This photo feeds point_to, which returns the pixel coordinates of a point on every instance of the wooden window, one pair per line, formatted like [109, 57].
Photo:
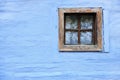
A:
[80, 29]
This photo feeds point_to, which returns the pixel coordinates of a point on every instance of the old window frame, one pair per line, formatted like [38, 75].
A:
[97, 46]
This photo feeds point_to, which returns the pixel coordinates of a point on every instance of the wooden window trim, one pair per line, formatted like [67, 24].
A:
[97, 46]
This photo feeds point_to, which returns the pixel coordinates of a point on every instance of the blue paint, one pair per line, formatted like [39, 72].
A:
[106, 35]
[29, 42]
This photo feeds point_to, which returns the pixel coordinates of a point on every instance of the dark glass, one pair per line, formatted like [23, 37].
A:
[71, 22]
[86, 21]
[71, 38]
[86, 38]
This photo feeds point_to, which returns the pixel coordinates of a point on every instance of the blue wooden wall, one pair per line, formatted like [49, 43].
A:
[29, 42]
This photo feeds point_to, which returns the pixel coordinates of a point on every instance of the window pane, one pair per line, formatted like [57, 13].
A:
[86, 21]
[71, 37]
[86, 38]
[71, 22]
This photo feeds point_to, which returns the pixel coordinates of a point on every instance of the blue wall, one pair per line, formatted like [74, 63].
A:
[29, 42]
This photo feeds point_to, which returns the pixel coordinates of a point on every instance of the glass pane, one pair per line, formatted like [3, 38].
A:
[86, 38]
[71, 22]
[86, 22]
[71, 37]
